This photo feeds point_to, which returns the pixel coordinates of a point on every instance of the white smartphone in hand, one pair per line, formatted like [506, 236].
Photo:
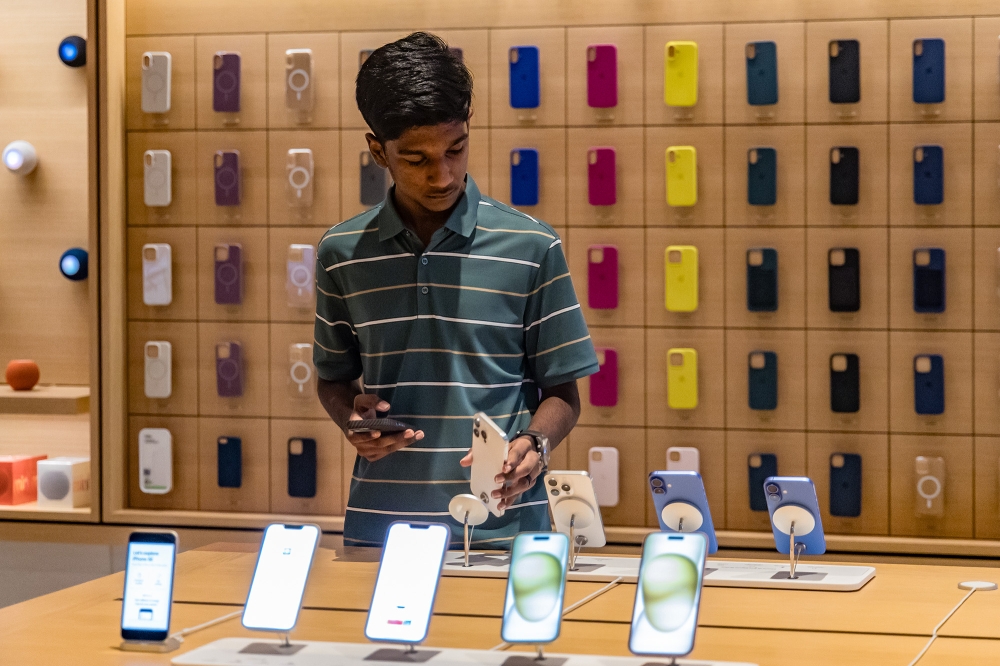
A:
[407, 582]
[279, 579]
[489, 454]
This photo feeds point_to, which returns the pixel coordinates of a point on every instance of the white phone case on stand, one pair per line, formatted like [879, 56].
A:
[157, 274]
[156, 466]
[603, 465]
[156, 187]
[155, 82]
[489, 453]
[158, 357]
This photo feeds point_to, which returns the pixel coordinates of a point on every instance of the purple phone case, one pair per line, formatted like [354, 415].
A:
[228, 179]
[601, 190]
[602, 279]
[602, 76]
[226, 83]
[229, 277]
[604, 384]
[229, 372]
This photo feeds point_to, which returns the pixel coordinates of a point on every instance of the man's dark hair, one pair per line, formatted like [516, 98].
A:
[413, 82]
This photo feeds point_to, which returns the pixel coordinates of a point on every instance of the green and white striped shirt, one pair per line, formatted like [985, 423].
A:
[480, 320]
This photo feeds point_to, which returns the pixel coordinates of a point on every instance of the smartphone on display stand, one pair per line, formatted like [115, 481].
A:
[407, 582]
[688, 489]
[800, 492]
[536, 585]
[668, 594]
[563, 485]
[149, 586]
[279, 579]
[489, 454]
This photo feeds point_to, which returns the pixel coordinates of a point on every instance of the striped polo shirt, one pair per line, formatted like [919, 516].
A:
[479, 320]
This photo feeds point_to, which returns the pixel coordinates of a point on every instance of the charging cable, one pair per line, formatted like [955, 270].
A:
[973, 587]
[179, 636]
[572, 607]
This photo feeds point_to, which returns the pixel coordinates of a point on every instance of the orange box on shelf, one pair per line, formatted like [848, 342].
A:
[19, 479]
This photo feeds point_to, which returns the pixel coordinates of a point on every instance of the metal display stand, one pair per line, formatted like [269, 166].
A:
[167, 645]
[789, 519]
[577, 514]
[233, 652]
[470, 511]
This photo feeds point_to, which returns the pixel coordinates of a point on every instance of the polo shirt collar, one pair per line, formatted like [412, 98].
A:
[462, 220]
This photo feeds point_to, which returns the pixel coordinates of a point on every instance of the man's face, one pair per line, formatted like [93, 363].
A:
[428, 164]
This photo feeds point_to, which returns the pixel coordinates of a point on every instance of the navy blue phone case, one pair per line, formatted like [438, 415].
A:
[928, 387]
[845, 386]
[844, 282]
[762, 282]
[928, 71]
[762, 177]
[845, 176]
[525, 81]
[763, 389]
[845, 73]
[524, 177]
[757, 475]
[302, 469]
[928, 175]
[929, 282]
[762, 74]
[230, 462]
[845, 486]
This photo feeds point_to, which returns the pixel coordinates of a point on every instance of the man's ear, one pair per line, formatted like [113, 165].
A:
[377, 149]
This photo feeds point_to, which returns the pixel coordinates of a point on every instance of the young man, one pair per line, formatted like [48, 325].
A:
[439, 303]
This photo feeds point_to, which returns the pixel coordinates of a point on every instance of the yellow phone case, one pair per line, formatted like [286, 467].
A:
[680, 73]
[682, 378]
[682, 176]
[681, 275]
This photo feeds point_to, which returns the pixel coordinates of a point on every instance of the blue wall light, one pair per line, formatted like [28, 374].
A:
[73, 264]
[73, 51]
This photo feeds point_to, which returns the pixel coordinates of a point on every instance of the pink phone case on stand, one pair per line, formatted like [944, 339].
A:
[602, 76]
[601, 186]
[604, 383]
[602, 277]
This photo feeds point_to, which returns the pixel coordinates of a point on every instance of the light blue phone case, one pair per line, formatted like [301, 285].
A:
[688, 487]
[796, 491]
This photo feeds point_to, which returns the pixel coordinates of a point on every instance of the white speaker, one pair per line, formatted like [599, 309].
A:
[63, 483]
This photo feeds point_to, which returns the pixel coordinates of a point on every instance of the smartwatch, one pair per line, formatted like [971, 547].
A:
[541, 444]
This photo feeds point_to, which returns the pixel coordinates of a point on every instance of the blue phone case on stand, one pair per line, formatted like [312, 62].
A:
[797, 491]
[762, 176]
[928, 71]
[524, 177]
[928, 175]
[929, 293]
[687, 487]
[763, 384]
[762, 73]
[525, 81]
[928, 387]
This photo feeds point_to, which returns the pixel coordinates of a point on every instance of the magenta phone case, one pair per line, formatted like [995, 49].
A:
[604, 383]
[601, 190]
[602, 277]
[226, 82]
[602, 76]
[229, 277]
[228, 184]
[229, 372]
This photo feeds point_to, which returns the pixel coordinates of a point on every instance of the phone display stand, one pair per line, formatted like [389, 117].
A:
[284, 648]
[470, 511]
[790, 519]
[231, 652]
[411, 655]
[577, 514]
[169, 644]
[682, 517]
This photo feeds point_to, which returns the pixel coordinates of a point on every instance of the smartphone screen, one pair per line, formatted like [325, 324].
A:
[665, 614]
[149, 586]
[279, 580]
[407, 582]
[532, 611]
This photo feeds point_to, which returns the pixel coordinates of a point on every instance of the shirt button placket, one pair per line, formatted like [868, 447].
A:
[423, 278]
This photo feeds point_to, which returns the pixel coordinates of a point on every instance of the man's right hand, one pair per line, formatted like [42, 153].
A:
[373, 446]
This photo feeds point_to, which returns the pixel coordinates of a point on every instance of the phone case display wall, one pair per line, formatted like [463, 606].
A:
[783, 235]
[48, 282]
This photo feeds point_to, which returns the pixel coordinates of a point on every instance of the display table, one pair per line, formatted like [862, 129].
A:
[886, 622]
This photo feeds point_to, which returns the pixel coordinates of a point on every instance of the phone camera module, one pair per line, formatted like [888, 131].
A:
[659, 491]
[657, 483]
[565, 487]
[773, 489]
[555, 492]
[475, 432]
[553, 482]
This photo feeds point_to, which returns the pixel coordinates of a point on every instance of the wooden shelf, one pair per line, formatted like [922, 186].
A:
[45, 400]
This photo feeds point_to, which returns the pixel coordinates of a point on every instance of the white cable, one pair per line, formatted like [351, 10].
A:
[941, 624]
[211, 623]
[572, 607]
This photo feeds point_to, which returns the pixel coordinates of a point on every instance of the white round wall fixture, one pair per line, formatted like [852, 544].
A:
[20, 157]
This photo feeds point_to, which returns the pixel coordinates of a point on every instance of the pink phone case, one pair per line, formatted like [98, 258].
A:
[601, 190]
[604, 383]
[602, 277]
[602, 76]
